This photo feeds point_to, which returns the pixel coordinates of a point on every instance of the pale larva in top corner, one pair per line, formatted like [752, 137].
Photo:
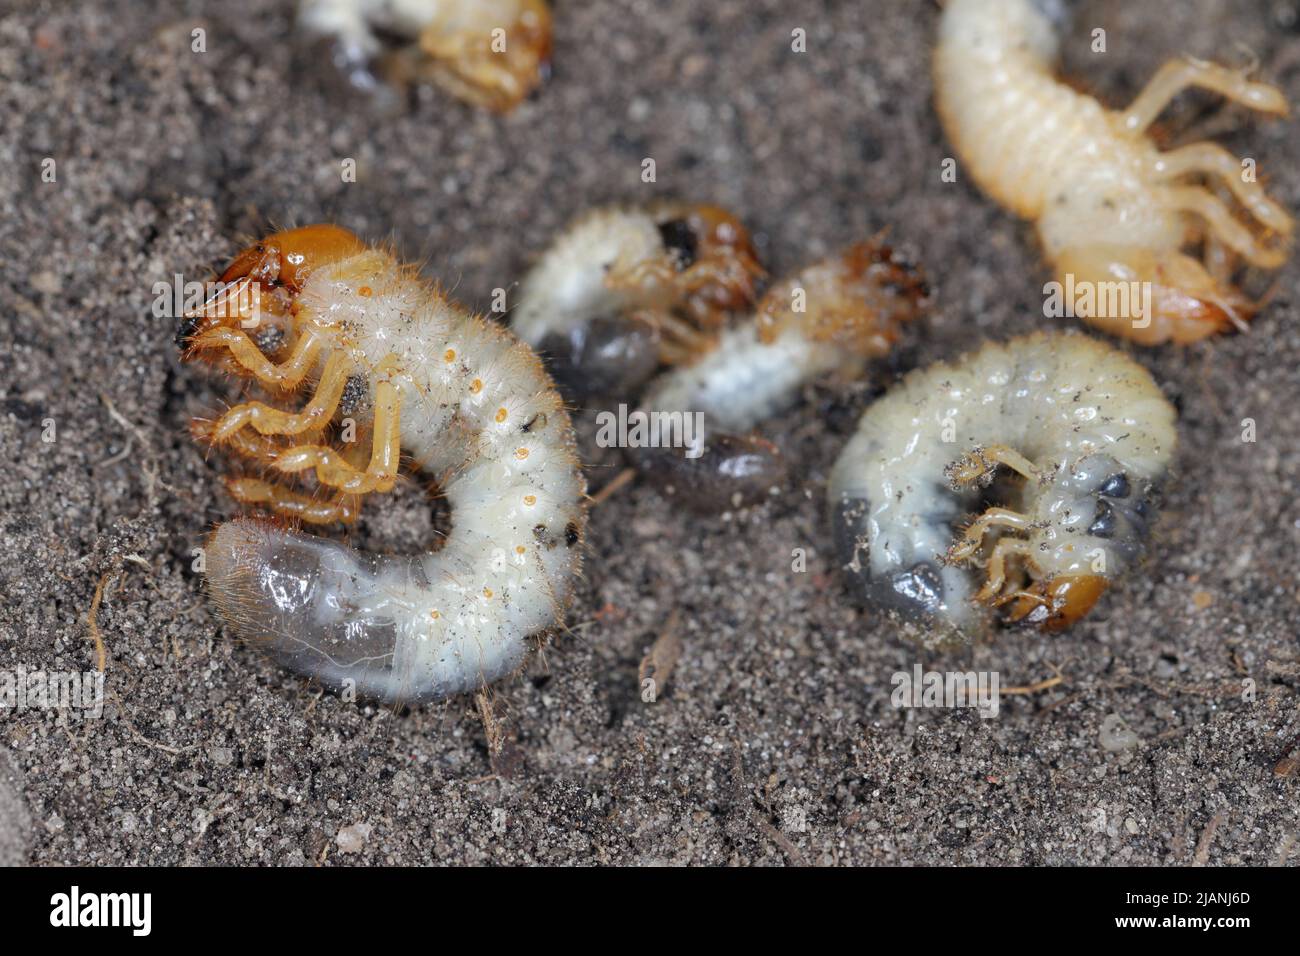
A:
[1111, 208]
[464, 400]
[625, 288]
[1084, 426]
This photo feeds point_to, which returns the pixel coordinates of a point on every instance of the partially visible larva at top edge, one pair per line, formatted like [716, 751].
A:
[1110, 207]
[459, 397]
[1086, 430]
[491, 53]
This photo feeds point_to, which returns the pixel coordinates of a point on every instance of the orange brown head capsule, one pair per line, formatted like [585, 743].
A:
[258, 286]
[1055, 604]
[857, 300]
[287, 257]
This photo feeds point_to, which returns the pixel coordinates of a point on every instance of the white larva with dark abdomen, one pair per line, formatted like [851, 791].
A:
[477, 412]
[625, 288]
[1110, 206]
[1086, 428]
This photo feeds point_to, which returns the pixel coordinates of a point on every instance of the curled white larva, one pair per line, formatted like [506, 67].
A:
[832, 317]
[453, 395]
[623, 289]
[1085, 428]
[1112, 209]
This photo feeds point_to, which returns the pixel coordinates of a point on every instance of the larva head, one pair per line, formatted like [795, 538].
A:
[1149, 296]
[856, 300]
[1089, 525]
[1054, 604]
[287, 257]
[713, 244]
[257, 289]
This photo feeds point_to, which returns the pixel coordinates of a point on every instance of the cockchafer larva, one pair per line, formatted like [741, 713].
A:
[831, 318]
[624, 289]
[464, 399]
[491, 53]
[1084, 425]
[1110, 206]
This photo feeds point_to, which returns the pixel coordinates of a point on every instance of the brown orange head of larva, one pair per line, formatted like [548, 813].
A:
[856, 300]
[717, 251]
[1054, 604]
[256, 290]
[286, 258]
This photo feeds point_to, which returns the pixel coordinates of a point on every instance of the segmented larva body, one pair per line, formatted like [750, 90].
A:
[462, 399]
[1085, 427]
[1110, 207]
[491, 53]
[624, 289]
[832, 318]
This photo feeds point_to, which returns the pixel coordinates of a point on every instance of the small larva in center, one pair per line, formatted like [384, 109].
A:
[1084, 428]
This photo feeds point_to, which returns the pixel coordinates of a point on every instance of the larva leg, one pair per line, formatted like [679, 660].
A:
[1213, 160]
[699, 277]
[246, 444]
[980, 463]
[679, 341]
[244, 350]
[293, 504]
[1200, 202]
[1219, 261]
[267, 420]
[1178, 75]
[643, 273]
[704, 282]
[334, 470]
[997, 570]
[973, 537]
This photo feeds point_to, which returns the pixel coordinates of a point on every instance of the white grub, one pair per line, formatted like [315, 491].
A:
[1088, 436]
[1110, 206]
[460, 399]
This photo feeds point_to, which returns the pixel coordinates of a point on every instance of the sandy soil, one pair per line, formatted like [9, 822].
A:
[775, 740]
